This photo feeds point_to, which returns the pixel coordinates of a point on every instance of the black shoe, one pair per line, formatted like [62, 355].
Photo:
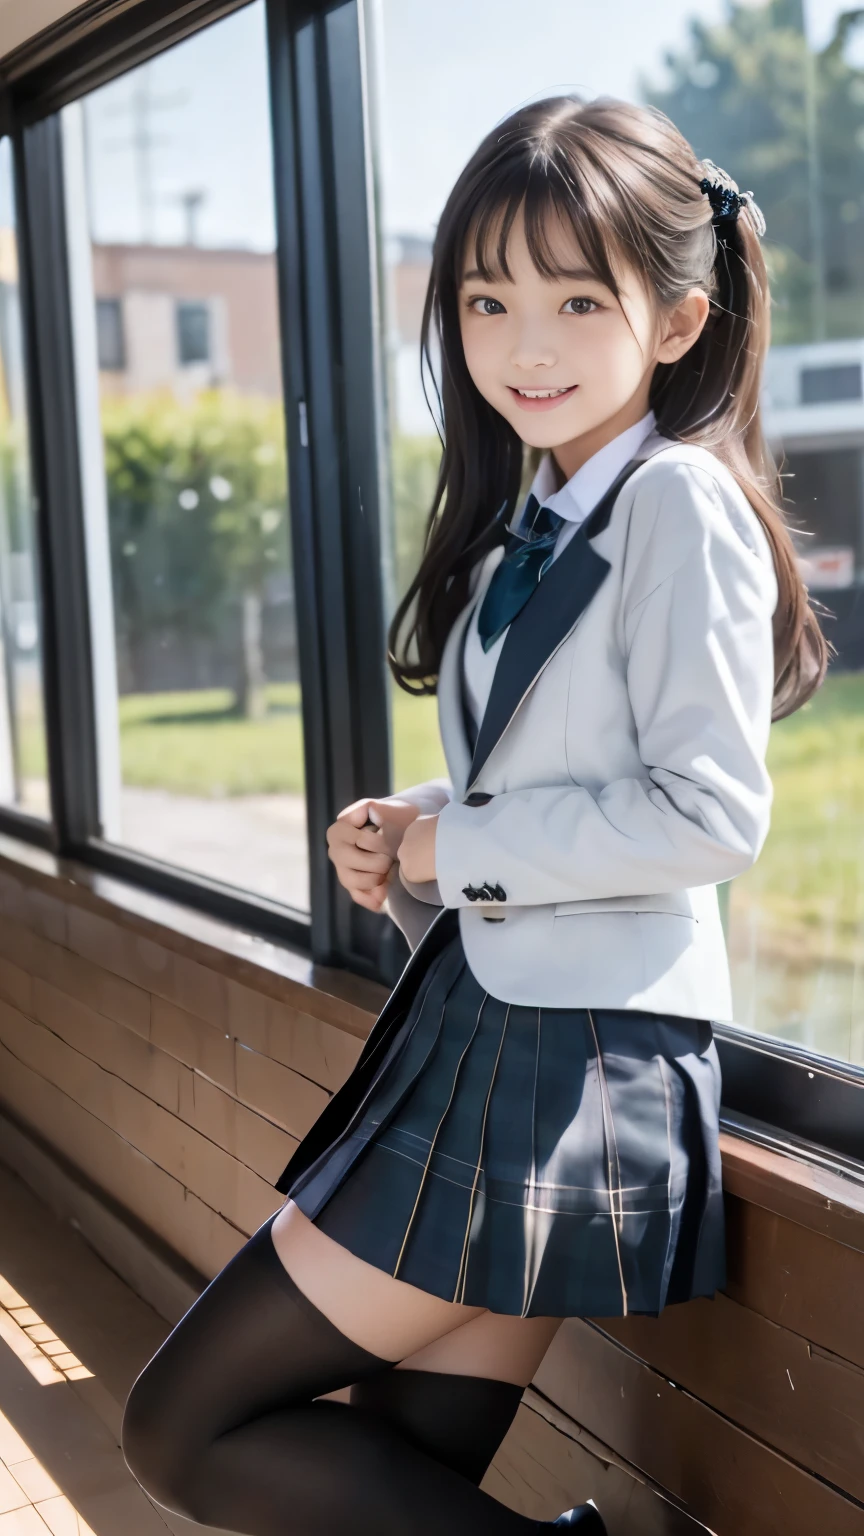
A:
[584, 1519]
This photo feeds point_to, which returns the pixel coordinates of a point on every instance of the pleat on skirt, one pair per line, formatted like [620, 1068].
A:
[559, 1162]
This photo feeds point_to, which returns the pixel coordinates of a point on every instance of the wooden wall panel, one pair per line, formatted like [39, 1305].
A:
[203, 1238]
[225, 1185]
[177, 1076]
[275, 1091]
[732, 1482]
[313, 1047]
[194, 1042]
[804, 1192]
[548, 1464]
[800, 1279]
[149, 965]
[115, 1049]
[802, 1400]
[250, 1138]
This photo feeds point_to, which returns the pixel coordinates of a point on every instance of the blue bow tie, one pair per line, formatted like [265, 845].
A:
[517, 574]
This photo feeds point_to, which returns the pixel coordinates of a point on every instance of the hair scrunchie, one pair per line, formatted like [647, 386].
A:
[726, 200]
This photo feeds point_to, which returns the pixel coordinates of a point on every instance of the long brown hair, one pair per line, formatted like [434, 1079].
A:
[627, 183]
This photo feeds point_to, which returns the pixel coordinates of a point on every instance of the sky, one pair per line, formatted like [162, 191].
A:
[445, 71]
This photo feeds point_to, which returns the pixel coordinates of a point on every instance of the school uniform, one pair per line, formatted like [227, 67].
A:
[533, 1123]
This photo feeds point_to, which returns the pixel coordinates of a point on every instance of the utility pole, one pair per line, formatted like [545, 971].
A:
[142, 106]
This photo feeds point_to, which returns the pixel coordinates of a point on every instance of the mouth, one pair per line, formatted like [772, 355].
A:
[541, 399]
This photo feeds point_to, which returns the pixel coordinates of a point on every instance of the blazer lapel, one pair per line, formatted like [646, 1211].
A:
[552, 611]
[535, 635]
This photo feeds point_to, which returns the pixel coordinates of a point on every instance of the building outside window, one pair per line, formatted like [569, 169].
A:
[774, 92]
[23, 760]
[182, 429]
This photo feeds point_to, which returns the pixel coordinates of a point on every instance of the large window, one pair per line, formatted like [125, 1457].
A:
[23, 768]
[775, 94]
[171, 227]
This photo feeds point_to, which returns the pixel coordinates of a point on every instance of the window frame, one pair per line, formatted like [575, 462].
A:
[183, 310]
[119, 361]
[327, 273]
[13, 819]
[331, 388]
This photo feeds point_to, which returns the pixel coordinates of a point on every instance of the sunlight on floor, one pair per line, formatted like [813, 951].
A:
[36, 1345]
[31, 1504]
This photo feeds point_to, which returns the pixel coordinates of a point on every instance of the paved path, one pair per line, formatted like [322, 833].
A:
[256, 842]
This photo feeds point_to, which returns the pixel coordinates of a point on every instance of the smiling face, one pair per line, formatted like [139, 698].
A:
[565, 361]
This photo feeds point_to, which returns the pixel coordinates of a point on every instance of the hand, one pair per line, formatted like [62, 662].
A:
[417, 851]
[365, 856]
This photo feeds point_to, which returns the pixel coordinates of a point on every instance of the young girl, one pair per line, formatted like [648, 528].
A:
[532, 1130]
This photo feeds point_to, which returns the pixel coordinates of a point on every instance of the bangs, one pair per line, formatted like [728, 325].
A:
[558, 212]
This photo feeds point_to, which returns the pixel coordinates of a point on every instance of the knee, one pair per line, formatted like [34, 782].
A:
[154, 1452]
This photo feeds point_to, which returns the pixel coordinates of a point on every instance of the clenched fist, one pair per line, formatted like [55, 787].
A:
[365, 856]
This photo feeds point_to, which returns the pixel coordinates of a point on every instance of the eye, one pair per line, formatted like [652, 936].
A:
[580, 306]
[487, 306]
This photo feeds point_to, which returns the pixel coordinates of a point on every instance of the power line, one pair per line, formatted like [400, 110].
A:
[142, 106]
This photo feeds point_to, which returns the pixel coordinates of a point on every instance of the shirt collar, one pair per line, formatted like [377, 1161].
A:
[583, 490]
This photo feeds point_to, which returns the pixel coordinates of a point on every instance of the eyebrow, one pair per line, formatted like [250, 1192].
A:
[576, 274]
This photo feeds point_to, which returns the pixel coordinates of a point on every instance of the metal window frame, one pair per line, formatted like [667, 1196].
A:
[93, 44]
[327, 274]
[332, 391]
[328, 322]
[816, 1098]
[117, 361]
[66, 657]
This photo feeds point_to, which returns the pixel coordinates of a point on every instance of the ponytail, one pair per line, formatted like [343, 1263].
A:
[711, 397]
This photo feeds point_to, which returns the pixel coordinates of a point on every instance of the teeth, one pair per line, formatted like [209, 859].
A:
[543, 394]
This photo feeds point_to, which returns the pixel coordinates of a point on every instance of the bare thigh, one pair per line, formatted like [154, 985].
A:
[399, 1322]
[492, 1345]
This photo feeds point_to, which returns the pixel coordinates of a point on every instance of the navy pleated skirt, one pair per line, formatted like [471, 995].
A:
[559, 1162]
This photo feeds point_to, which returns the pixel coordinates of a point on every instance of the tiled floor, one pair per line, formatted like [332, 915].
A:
[73, 1338]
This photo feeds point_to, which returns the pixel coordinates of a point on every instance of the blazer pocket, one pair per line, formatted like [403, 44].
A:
[673, 903]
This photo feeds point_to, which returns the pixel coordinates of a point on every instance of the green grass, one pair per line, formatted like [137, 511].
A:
[195, 744]
[417, 750]
[809, 881]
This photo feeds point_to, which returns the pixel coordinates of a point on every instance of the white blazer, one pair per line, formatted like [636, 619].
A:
[621, 757]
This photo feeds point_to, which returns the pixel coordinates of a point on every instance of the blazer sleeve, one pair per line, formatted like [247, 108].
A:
[699, 657]
[413, 907]
[430, 798]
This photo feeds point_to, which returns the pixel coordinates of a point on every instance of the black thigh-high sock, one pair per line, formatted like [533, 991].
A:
[460, 1420]
[220, 1426]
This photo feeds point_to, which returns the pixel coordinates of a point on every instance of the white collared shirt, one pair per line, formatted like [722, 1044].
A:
[574, 502]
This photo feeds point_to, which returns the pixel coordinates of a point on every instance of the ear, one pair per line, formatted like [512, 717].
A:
[683, 325]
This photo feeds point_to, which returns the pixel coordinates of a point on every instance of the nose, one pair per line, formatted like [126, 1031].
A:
[533, 348]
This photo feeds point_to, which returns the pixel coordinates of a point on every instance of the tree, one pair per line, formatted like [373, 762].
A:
[788, 122]
[198, 521]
